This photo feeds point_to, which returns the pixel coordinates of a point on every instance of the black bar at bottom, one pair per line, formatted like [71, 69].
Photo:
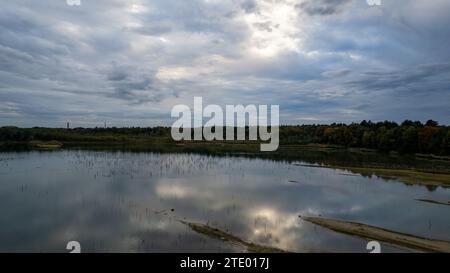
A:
[219, 262]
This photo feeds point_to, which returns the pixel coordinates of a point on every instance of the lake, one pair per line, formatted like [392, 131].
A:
[116, 201]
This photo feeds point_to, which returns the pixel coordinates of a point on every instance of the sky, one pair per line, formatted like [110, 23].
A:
[128, 63]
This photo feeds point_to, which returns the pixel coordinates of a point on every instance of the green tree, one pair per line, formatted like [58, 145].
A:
[409, 140]
[369, 139]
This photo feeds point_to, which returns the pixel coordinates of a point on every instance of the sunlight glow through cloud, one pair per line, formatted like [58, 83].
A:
[274, 29]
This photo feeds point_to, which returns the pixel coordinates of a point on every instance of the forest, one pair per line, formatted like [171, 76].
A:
[407, 137]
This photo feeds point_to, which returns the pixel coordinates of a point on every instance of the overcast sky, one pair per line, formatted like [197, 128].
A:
[129, 62]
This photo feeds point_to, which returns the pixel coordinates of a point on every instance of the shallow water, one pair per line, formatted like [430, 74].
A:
[130, 202]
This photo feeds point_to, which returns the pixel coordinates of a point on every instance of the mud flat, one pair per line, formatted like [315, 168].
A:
[224, 236]
[434, 202]
[415, 177]
[406, 176]
[48, 145]
[380, 234]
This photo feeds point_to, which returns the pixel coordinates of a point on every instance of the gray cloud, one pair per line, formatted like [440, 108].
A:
[129, 63]
[322, 7]
[249, 6]
[407, 79]
[117, 76]
[265, 26]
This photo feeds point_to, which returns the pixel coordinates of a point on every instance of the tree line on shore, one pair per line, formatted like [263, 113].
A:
[407, 137]
[386, 136]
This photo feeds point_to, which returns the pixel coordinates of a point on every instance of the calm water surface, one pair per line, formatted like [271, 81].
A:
[131, 202]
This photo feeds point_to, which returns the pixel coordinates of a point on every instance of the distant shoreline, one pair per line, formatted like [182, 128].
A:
[429, 140]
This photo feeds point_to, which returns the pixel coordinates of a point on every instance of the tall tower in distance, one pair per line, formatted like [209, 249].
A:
[68, 125]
